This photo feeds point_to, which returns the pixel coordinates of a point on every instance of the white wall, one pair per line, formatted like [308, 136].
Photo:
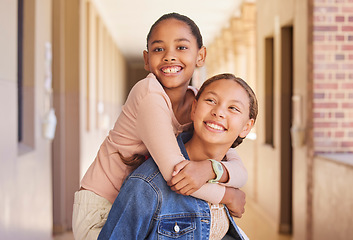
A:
[25, 176]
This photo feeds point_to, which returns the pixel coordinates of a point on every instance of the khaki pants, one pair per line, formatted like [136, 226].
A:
[90, 213]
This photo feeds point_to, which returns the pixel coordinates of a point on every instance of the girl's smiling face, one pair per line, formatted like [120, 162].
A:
[221, 113]
[173, 53]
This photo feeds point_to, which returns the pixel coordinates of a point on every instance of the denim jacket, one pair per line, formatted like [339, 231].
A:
[146, 208]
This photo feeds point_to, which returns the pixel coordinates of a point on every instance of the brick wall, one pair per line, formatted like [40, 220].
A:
[333, 76]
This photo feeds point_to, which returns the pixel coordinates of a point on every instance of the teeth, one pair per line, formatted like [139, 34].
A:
[171, 70]
[215, 126]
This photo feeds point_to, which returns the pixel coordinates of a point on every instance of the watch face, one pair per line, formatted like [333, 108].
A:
[220, 167]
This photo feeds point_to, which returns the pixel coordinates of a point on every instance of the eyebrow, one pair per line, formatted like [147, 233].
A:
[176, 40]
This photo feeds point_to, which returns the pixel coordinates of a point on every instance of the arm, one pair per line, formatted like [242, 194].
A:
[154, 126]
[190, 176]
[128, 217]
[238, 175]
[234, 199]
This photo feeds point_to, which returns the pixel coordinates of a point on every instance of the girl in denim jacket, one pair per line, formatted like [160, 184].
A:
[223, 114]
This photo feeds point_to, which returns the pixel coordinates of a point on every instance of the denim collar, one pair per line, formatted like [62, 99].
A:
[182, 139]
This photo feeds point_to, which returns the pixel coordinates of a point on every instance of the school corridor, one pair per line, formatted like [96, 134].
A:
[66, 67]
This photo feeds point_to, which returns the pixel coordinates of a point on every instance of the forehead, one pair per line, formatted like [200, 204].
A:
[171, 27]
[227, 88]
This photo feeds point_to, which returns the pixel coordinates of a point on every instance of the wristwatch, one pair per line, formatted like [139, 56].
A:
[218, 170]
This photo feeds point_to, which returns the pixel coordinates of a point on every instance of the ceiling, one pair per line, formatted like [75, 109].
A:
[130, 21]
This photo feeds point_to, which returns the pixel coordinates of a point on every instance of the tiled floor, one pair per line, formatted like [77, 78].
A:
[255, 226]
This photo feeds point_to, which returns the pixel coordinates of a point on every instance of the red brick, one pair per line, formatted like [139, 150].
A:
[347, 125]
[340, 76]
[347, 28]
[340, 95]
[318, 38]
[347, 85]
[347, 144]
[319, 57]
[325, 28]
[319, 134]
[347, 47]
[328, 86]
[339, 38]
[339, 18]
[324, 47]
[339, 115]
[319, 95]
[347, 105]
[339, 134]
[350, 95]
[347, 66]
[325, 105]
[319, 115]
[350, 38]
[325, 143]
[350, 19]
[319, 76]
[319, 18]
[347, 9]
[323, 10]
[339, 57]
[328, 66]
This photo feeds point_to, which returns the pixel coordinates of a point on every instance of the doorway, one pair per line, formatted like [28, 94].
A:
[286, 119]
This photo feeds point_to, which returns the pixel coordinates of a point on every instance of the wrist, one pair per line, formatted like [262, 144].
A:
[217, 169]
[212, 174]
[227, 196]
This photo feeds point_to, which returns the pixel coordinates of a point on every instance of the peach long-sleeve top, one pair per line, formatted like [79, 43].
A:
[147, 125]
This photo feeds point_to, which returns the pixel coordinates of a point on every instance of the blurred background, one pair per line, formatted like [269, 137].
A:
[66, 67]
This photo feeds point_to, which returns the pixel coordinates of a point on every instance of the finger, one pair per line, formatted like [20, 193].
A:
[190, 191]
[179, 167]
[176, 179]
[185, 190]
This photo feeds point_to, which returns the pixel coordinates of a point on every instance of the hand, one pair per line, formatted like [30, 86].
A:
[189, 176]
[234, 199]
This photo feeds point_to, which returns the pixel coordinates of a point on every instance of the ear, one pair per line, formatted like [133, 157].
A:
[201, 57]
[193, 108]
[145, 58]
[247, 128]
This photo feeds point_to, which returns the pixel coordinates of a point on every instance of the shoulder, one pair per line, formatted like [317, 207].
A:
[147, 88]
[193, 89]
[148, 84]
[148, 172]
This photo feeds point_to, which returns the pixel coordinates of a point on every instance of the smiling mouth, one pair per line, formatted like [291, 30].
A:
[215, 126]
[173, 69]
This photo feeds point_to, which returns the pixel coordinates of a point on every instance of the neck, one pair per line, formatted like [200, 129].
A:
[199, 150]
[181, 100]
[177, 97]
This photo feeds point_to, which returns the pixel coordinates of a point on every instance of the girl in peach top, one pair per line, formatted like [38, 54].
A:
[157, 109]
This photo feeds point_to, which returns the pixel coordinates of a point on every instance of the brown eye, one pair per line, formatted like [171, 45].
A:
[235, 109]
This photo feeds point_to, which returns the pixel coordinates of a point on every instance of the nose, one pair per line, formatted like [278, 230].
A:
[169, 56]
[218, 111]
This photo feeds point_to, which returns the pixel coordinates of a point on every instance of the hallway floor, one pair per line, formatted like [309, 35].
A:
[256, 227]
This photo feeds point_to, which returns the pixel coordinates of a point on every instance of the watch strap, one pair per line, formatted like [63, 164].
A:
[218, 170]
